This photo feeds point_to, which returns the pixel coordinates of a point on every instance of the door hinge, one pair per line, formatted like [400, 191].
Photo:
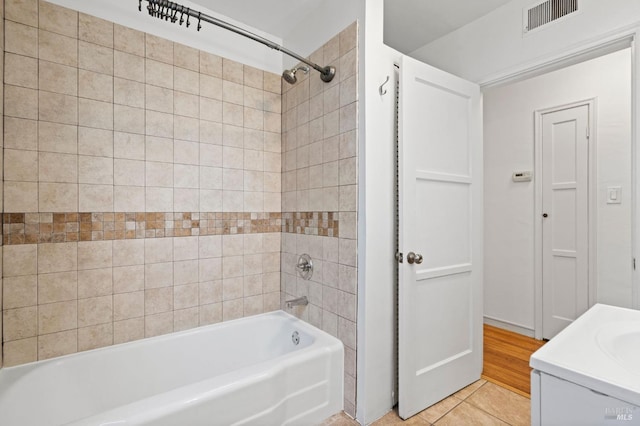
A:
[399, 257]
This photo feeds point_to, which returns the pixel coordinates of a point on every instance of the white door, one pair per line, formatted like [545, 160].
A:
[440, 295]
[565, 220]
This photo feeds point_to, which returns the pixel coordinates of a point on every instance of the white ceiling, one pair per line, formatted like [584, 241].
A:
[409, 24]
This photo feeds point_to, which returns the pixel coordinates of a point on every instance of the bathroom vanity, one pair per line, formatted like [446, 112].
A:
[589, 374]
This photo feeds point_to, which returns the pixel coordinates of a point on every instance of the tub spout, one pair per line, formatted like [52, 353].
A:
[300, 301]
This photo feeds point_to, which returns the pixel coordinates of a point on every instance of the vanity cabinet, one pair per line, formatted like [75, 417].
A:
[555, 401]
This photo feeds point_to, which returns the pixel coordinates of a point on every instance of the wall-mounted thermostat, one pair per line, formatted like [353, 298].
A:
[522, 176]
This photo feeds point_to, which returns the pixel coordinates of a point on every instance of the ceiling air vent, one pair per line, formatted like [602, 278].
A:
[546, 12]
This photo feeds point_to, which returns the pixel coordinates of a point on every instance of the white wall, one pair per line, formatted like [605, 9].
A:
[494, 45]
[210, 38]
[509, 207]
[376, 307]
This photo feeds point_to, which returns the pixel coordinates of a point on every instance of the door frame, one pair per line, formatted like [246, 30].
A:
[592, 209]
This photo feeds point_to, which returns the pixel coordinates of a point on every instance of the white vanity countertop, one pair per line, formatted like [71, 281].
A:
[600, 350]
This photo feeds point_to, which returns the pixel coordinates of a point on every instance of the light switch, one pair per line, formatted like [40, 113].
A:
[614, 195]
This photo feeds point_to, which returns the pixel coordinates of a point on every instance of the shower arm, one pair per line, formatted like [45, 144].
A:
[169, 11]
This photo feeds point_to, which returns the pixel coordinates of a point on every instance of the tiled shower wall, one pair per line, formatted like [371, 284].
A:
[142, 185]
[320, 174]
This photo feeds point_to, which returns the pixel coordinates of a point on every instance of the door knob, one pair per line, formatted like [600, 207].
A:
[414, 258]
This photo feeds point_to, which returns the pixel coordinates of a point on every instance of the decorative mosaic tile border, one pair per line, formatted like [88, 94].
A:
[324, 224]
[35, 228]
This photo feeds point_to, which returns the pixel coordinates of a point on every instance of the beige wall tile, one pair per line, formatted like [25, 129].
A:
[53, 167]
[20, 133]
[96, 310]
[253, 305]
[210, 292]
[95, 170]
[186, 104]
[186, 57]
[210, 200]
[58, 19]
[58, 78]
[158, 300]
[57, 287]
[55, 317]
[96, 336]
[159, 174]
[210, 64]
[187, 128]
[159, 99]
[60, 257]
[128, 305]
[20, 323]
[129, 146]
[129, 120]
[96, 86]
[158, 74]
[129, 172]
[20, 102]
[96, 114]
[271, 301]
[95, 254]
[185, 152]
[185, 176]
[20, 165]
[128, 252]
[21, 71]
[19, 292]
[232, 309]
[95, 58]
[210, 313]
[159, 124]
[95, 197]
[56, 137]
[21, 351]
[158, 324]
[159, 199]
[23, 11]
[57, 48]
[210, 177]
[95, 142]
[21, 39]
[20, 197]
[210, 269]
[232, 71]
[128, 278]
[186, 199]
[57, 108]
[128, 92]
[159, 49]
[128, 40]
[57, 344]
[185, 296]
[272, 83]
[211, 87]
[232, 114]
[186, 81]
[128, 66]
[158, 275]
[95, 283]
[211, 133]
[157, 250]
[128, 330]
[129, 198]
[186, 319]
[95, 30]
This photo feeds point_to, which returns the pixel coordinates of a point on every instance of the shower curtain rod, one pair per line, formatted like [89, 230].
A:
[170, 11]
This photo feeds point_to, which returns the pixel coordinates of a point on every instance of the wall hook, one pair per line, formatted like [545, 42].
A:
[382, 90]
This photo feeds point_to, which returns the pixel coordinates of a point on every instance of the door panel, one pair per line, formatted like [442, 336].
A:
[565, 230]
[440, 299]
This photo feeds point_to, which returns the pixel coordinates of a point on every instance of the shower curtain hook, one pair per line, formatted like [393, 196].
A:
[181, 15]
[188, 10]
[139, 5]
[199, 26]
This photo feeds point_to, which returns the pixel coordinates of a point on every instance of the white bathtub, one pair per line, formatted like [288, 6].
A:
[246, 371]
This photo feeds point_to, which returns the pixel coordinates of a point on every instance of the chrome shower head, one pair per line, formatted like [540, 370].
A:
[290, 75]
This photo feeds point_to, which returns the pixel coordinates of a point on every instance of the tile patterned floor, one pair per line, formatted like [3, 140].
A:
[482, 403]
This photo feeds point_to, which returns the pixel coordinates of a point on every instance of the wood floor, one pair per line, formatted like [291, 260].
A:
[506, 359]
